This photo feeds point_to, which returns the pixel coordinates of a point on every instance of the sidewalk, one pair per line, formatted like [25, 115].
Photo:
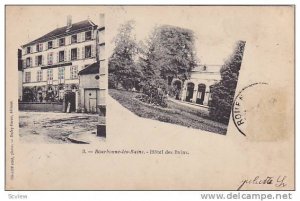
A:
[85, 138]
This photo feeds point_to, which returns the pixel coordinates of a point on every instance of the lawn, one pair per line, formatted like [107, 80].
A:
[175, 113]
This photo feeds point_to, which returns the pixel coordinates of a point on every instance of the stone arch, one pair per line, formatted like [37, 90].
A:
[177, 85]
[201, 93]
[189, 91]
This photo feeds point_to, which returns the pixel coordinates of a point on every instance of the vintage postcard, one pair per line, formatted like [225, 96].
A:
[150, 97]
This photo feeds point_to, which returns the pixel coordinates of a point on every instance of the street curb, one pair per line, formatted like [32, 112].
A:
[76, 141]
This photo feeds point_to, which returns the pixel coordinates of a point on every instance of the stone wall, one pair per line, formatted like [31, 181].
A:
[42, 107]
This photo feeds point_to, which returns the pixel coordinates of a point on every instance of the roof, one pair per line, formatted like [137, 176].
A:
[63, 31]
[207, 68]
[91, 69]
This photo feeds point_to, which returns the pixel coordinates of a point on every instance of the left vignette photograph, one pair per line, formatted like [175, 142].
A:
[61, 76]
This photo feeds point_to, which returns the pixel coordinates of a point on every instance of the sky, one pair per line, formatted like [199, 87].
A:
[214, 38]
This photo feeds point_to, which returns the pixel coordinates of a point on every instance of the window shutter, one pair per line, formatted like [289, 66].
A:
[24, 63]
[57, 57]
[93, 50]
[83, 36]
[92, 34]
[65, 55]
[42, 45]
[69, 55]
[36, 60]
[43, 62]
[78, 53]
[78, 38]
[45, 46]
[82, 53]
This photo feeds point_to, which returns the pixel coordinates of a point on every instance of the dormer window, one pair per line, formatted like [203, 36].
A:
[28, 50]
[74, 38]
[50, 45]
[61, 42]
[88, 35]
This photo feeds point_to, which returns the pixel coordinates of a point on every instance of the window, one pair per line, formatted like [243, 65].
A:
[50, 58]
[74, 72]
[39, 47]
[61, 73]
[50, 74]
[74, 54]
[50, 45]
[88, 35]
[74, 38]
[39, 76]
[61, 56]
[28, 62]
[39, 60]
[88, 51]
[28, 50]
[27, 76]
[61, 42]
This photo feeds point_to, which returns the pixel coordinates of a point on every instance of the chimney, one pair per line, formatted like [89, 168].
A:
[101, 20]
[69, 22]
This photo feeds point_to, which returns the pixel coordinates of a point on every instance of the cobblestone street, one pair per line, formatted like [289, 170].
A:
[51, 127]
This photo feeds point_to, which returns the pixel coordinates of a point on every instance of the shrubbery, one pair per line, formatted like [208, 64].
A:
[222, 93]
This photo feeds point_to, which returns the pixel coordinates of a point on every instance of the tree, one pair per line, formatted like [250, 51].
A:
[121, 64]
[169, 52]
[222, 93]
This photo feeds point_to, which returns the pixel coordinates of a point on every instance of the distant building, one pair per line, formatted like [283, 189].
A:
[198, 87]
[52, 62]
[20, 74]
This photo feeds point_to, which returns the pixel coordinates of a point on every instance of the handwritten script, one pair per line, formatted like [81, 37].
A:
[279, 181]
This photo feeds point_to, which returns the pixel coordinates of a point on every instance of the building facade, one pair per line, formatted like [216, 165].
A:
[20, 74]
[197, 88]
[52, 62]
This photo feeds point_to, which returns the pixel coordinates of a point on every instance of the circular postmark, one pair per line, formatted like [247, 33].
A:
[243, 103]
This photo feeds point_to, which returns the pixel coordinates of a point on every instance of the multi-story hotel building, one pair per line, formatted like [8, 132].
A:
[52, 62]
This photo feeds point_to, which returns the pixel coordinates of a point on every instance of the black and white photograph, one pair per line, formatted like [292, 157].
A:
[153, 97]
[172, 75]
[62, 86]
